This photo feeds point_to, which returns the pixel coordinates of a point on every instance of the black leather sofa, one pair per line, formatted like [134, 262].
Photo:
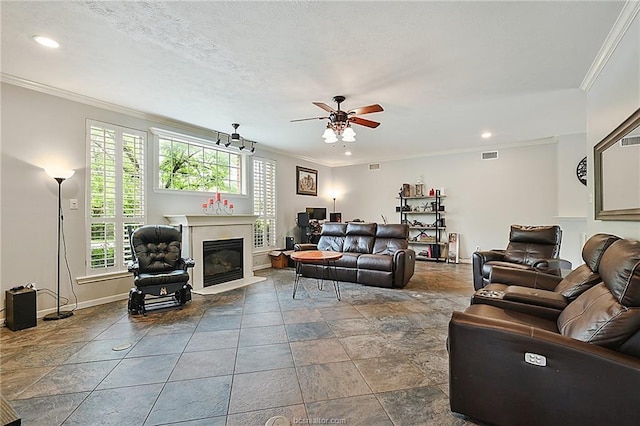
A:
[507, 367]
[373, 254]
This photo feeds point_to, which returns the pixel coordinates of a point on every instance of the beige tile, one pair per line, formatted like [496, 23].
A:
[264, 389]
[319, 351]
[331, 381]
[296, 316]
[386, 374]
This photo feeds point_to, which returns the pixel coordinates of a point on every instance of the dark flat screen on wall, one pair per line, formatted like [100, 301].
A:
[317, 213]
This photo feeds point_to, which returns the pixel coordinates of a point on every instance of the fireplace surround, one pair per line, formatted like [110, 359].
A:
[198, 228]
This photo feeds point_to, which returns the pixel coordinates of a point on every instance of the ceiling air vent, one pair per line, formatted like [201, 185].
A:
[490, 155]
[633, 140]
[374, 167]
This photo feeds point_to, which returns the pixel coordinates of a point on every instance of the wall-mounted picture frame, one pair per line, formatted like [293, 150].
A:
[306, 181]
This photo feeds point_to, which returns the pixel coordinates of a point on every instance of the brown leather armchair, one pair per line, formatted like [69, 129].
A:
[511, 368]
[529, 248]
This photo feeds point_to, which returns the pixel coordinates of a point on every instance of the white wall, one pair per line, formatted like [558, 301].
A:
[40, 130]
[612, 98]
[483, 198]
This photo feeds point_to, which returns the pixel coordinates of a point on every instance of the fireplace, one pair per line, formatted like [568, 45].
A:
[223, 261]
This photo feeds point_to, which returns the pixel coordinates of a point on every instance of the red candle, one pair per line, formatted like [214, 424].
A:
[210, 200]
[230, 206]
[205, 205]
[218, 196]
[225, 202]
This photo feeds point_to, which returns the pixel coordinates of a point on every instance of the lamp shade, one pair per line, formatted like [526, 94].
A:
[331, 139]
[348, 133]
[346, 138]
[328, 133]
[59, 172]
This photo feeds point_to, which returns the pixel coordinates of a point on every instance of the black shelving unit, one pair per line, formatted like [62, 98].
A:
[426, 237]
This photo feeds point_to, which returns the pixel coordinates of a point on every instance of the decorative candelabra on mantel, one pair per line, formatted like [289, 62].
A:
[217, 206]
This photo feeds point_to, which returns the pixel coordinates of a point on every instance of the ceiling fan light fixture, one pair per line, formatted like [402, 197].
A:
[348, 138]
[332, 139]
[348, 133]
[328, 133]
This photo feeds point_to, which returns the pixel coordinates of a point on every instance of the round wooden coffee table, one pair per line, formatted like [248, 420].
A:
[322, 258]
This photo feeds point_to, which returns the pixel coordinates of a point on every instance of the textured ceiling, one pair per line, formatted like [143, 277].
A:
[443, 71]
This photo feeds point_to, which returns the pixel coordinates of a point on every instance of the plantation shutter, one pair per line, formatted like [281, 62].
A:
[117, 193]
[264, 202]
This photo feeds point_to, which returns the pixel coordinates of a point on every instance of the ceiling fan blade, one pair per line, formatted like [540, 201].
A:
[364, 122]
[312, 118]
[366, 110]
[324, 106]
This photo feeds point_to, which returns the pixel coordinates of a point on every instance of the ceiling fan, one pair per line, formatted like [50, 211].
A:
[340, 121]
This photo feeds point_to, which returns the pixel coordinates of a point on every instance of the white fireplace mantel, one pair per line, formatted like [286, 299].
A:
[197, 228]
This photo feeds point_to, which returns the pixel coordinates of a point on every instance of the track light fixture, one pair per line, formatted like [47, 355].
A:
[234, 140]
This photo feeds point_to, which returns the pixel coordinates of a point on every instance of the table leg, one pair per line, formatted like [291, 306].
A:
[331, 265]
[296, 281]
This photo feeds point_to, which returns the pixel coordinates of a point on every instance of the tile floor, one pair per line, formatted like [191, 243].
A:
[377, 357]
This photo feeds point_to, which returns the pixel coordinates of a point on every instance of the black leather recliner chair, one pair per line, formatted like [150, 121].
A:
[583, 368]
[529, 248]
[158, 267]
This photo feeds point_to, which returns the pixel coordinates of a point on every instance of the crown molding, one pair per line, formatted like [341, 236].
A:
[87, 100]
[620, 27]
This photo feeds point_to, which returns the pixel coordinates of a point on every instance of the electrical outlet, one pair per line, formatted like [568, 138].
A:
[73, 204]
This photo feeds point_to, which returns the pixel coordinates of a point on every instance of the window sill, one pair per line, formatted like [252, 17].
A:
[90, 279]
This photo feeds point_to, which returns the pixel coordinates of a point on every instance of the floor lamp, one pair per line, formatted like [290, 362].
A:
[59, 175]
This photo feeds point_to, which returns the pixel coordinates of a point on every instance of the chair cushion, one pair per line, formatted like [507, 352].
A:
[597, 317]
[527, 244]
[577, 282]
[157, 248]
[377, 262]
[486, 267]
[172, 277]
[620, 271]
[595, 247]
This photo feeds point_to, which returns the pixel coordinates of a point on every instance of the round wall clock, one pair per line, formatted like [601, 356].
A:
[581, 171]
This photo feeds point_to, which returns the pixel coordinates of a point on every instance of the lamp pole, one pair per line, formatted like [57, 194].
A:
[59, 314]
[334, 204]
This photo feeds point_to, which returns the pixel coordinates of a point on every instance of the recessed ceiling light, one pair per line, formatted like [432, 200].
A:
[486, 135]
[347, 153]
[46, 41]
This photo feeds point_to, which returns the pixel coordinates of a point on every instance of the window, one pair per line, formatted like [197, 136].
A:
[117, 195]
[191, 164]
[264, 203]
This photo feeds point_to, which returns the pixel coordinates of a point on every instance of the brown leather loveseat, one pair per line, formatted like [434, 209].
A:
[508, 367]
[373, 254]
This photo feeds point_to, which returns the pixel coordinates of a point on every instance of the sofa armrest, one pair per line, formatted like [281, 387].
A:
[488, 364]
[188, 263]
[404, 264]
[552, 266]
[523, 278]
[134, 268]
[478, 259]
[304, 247]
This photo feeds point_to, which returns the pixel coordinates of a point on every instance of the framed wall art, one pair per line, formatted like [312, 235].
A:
[306, 181]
